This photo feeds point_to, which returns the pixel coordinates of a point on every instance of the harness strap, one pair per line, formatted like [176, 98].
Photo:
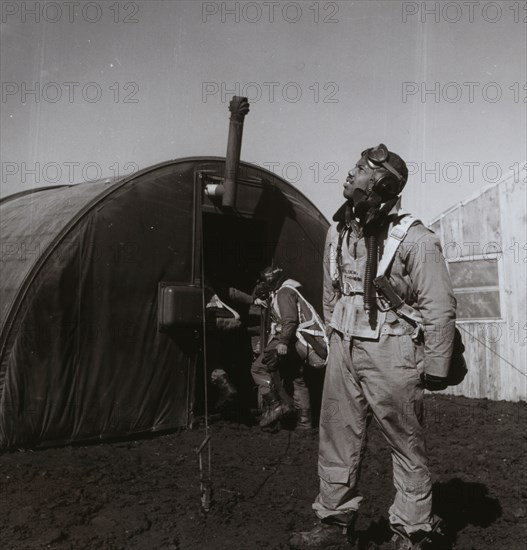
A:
[395, 238]
[312, 331]
[216, 302]
[339, 254]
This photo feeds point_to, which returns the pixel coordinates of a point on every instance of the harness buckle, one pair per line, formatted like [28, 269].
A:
[347, 289]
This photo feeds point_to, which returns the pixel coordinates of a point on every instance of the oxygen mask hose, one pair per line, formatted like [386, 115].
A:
[372, 247]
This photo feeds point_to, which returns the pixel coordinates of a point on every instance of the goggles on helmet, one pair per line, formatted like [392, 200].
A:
[378, 156]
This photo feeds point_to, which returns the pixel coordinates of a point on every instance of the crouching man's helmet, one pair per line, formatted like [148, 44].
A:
[273, 276]
[270, 279]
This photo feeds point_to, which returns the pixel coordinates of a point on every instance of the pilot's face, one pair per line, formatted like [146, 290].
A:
[359, 177]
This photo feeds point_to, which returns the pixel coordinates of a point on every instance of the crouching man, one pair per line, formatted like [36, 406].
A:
[379, 361]
[279, 358]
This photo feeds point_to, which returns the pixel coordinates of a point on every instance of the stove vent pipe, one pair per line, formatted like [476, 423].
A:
[239, 107]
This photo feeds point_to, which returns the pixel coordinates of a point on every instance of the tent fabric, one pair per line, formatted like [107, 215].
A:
[81, 354]
[28, 224]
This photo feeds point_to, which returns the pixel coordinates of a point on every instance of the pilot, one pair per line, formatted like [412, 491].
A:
[378, 365]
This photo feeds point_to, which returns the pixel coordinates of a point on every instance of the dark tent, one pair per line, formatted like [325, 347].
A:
[83, 270]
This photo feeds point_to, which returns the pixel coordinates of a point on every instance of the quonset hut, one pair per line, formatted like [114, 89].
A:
[483, 241]
[101, 292]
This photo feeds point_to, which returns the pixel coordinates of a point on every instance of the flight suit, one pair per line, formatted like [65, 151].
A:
[374, 370]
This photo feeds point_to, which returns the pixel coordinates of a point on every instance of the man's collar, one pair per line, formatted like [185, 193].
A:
[342, 215]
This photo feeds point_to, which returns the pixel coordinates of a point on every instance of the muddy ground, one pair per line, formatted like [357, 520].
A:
[145, 494]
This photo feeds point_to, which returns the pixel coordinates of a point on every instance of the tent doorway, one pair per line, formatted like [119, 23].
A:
[233, 250]
[234, 253]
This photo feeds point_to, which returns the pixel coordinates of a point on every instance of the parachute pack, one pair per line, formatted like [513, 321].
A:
[312, 343]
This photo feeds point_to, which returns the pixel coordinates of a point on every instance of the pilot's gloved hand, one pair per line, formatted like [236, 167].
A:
[433, 383]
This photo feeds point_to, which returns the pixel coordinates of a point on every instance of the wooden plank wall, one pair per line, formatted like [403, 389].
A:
[514, 223]
[496, 350]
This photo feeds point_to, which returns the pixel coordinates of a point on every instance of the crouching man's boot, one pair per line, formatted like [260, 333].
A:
[302, 404]
[226, 391]
[303, 420]
[329, 533]
[274, 408]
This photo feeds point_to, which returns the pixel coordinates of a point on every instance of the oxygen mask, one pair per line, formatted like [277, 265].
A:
[367, 208]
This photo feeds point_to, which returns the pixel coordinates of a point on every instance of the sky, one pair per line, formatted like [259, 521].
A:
[96, 89]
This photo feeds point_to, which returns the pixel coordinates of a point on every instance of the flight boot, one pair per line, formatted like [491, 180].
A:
[419, 540]
[331, 533]
[274, 408]
[302, 404]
